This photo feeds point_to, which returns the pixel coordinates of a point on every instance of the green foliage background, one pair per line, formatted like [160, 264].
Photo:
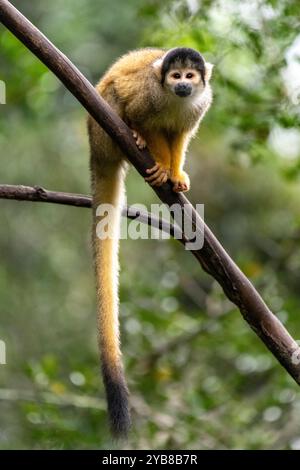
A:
[220, 388]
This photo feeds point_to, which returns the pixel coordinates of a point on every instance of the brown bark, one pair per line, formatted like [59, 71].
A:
[39, 194]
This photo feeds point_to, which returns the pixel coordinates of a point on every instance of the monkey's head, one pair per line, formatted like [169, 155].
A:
[183, 71]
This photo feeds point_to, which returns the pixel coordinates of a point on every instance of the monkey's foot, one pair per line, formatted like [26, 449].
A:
[159, 174]
[181, 182]
[140, 141]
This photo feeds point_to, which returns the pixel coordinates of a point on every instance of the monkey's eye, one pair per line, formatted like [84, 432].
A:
[176, 75]
[189, 75]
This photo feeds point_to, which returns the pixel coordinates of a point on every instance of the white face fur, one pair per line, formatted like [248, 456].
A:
[185, 81]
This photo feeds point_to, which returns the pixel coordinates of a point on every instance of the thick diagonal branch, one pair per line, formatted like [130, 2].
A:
[212, 256]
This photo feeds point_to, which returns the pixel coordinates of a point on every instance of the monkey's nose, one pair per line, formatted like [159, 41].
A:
[183, 89]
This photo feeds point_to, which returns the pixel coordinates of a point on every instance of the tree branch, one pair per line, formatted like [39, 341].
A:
[212, 257]
[49, 398]
[39, 194]
[148, 362]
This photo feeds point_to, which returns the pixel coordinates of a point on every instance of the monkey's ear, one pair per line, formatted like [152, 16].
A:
[157, 64]
[208, 70]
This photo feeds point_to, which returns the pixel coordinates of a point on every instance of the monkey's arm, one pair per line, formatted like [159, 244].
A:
[179, 177]
[169, 156]
[161, 152]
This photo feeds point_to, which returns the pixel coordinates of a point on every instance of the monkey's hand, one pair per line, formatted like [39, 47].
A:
[181, 181]
[159, 174]
[140, 141]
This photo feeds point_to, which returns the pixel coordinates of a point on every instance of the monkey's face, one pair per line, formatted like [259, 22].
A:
[183, 72]
[184, 82]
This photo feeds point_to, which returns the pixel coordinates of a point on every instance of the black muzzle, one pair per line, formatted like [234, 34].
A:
[183, 89]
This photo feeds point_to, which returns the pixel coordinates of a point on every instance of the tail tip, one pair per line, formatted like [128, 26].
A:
[118, 405]
[120, 426]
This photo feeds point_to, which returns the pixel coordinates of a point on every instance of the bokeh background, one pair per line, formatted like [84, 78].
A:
[199, 377]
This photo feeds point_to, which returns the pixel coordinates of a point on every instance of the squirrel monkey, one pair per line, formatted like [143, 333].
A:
[162, 96]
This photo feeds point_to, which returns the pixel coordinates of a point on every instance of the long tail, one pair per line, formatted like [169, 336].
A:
[108, 188]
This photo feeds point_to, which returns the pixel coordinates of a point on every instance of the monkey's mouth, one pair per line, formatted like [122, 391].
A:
[183, 90]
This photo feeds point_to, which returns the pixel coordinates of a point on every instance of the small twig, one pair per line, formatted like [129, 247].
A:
[150, 360]
[187, 337]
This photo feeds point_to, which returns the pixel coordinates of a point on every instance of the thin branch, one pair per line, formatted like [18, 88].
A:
[39, 194]
[68, 400]
[212, 257]
[149, 361]
[48, 398]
